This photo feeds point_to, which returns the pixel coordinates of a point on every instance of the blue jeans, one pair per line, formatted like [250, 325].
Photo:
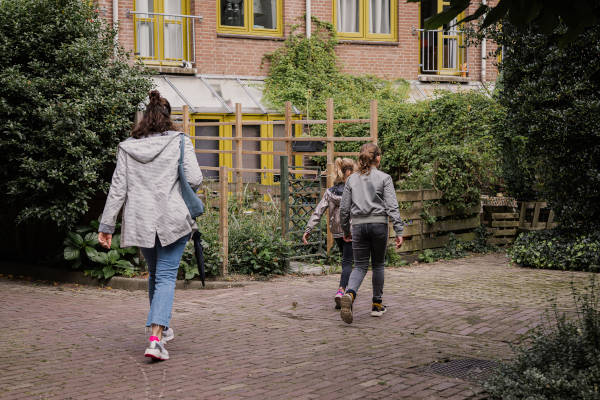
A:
[163, 264]
[369, 242]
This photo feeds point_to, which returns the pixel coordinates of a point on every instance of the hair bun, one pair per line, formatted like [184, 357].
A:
[154, 96]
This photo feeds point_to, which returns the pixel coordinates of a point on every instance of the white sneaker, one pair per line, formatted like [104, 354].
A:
[157, 351]
[167, 335]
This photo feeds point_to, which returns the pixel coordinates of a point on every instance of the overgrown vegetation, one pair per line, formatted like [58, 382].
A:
[561, 361]
[305, 71]
[558, 249]
[84, 252]
[67, 98]
[446, 143]
[457, 248]
[550, 140]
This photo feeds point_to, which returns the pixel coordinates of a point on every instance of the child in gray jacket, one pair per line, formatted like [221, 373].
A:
[368, 201]
[344, 167]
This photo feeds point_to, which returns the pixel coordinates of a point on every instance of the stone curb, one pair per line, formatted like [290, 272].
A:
[116, 282]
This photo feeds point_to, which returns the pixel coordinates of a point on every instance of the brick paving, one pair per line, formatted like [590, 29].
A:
[274, 340]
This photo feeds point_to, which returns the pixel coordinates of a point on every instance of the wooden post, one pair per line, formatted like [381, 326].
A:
[523, 214]
[536, 214]
[421, 220]
[330, 161]
[238, 152]
[373, 125]
[186, 119]
[223, 215]
[549, 223]
[284, 195]
[288, 131]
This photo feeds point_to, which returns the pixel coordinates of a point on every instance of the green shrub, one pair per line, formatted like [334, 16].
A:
[457, 248]
[256, 245]
[558, 249]
[550, 137]
[208, 225]
[446, 143]
[561, 361]
[67, 98]
[83, 250]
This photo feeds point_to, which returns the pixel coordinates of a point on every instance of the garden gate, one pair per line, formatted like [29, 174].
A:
[300, 194]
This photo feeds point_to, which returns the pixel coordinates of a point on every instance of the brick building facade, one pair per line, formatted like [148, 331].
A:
[216, 50]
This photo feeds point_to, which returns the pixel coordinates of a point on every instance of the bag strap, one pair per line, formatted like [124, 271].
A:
[181, 148]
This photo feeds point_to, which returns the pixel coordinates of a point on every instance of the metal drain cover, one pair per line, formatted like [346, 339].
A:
[470, 369]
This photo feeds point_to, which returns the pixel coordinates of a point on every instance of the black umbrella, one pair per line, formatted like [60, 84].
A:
[199, 250]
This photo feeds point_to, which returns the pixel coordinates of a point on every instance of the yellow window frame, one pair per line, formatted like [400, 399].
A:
[248, 28]
[158, 24]
[442, 35]
[363, 23]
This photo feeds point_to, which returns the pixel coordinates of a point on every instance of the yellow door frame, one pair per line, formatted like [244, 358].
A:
[443, 35]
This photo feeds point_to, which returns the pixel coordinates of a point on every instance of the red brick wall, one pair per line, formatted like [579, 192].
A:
[240, 56]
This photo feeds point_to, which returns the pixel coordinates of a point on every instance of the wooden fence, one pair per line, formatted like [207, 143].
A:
[419, 234]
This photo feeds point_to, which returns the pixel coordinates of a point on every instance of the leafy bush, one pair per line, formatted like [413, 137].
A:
[256, 245]
[67, 98]
[208, 224]
[447, 143]
[305, 72]
[562, 361]
[83, 250]
[551, 136]
[558, 249]
[457, 248]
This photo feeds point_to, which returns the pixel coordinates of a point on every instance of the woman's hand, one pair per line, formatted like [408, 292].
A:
[399, 241]
[305, 237]
[347, 238]
[105, 239]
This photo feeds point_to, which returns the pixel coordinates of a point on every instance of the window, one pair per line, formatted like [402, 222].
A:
[163, 32]
[254, 17]
[365, 19]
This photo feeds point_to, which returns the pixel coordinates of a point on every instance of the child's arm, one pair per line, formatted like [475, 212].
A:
[345, 205]
[317, 214]
[391, 206]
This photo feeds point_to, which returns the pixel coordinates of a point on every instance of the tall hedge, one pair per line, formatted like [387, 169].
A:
[551, 136]
[67, 97]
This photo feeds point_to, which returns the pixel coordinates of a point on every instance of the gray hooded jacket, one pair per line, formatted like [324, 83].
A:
[331, 199]
[370, 198]
[146, 184]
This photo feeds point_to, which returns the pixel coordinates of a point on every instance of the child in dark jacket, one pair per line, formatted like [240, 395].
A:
[344, 167]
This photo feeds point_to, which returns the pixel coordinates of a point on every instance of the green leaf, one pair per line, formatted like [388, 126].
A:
[108, 272]
[124, 264]
[70, 253]
[113, 256]
[91, 238]
[75, 239]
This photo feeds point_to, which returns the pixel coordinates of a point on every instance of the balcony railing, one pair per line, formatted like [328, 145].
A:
[442, 52]
[165, 39]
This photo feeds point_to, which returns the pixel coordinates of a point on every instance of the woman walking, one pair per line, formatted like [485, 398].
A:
[344, 167]
[368, 201]
[155, 217]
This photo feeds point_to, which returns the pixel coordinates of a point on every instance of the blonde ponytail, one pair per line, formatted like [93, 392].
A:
[341, 166]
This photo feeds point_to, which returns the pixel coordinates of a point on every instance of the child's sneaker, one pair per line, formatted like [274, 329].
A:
[346, 307]
[156, 350]
[167, 335]
[338, 299]
[378, 310]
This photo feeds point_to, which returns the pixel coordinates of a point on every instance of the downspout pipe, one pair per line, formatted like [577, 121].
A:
[308, 20]
[483, 53]
[115, 16]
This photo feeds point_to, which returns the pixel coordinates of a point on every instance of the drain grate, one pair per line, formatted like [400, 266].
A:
[470, 369]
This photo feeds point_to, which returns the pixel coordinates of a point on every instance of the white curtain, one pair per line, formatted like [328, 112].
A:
[265, 14]
[379, 16]
[173, 30]
[347, 15]
[273, 14]
[145, 29]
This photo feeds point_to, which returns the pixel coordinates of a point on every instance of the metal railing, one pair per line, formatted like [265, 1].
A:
[165, 38]
[442, 51]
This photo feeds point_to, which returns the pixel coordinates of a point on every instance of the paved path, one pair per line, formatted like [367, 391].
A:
[273, 340]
